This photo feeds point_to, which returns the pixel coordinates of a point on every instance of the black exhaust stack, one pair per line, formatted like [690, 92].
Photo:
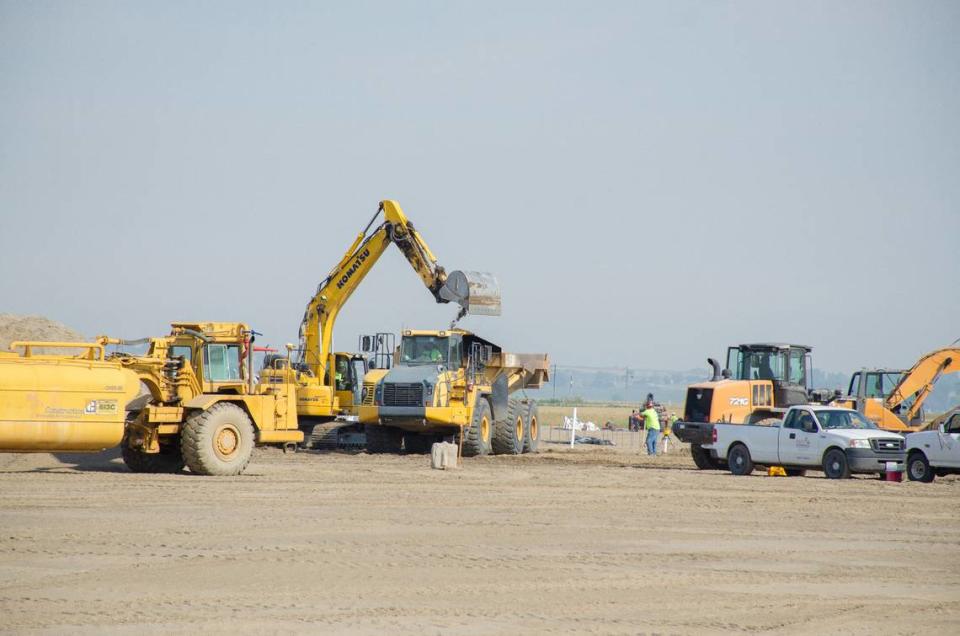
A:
[717, 375]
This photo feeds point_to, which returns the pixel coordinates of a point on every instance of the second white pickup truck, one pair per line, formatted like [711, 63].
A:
[835, 440]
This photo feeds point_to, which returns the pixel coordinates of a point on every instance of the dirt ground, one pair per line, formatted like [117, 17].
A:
[591, 540]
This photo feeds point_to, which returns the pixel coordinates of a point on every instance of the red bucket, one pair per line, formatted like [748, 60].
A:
[894, 472]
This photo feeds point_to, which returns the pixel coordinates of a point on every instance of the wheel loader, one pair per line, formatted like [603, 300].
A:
[454, 384]
[760, 382]
[189, 400]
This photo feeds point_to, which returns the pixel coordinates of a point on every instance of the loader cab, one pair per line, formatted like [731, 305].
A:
[788, 367]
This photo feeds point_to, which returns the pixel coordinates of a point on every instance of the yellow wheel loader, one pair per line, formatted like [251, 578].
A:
[760, 382]
[454, 384]
[189, 400]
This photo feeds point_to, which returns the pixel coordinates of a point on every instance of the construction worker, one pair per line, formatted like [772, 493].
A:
[633, 422]
[651, 423]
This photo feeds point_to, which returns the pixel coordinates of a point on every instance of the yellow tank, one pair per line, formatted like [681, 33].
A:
[61, 403]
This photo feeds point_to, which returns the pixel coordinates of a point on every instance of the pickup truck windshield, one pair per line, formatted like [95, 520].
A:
[843, 419]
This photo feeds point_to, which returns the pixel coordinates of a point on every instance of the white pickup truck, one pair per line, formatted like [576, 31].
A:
[835, 440]
[935, 452]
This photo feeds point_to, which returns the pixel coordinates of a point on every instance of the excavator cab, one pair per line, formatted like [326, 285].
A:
[787, 366]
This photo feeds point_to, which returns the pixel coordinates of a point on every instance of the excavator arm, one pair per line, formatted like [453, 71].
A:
[918, 382]
[475, 292]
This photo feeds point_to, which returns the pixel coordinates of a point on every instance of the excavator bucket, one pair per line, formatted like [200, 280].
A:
[477, 292]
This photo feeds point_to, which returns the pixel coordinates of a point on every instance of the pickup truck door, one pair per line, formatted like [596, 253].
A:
[800, 439]
[949, 454]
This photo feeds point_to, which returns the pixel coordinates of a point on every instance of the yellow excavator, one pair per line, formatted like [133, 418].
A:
[893, 398]
[328, 384]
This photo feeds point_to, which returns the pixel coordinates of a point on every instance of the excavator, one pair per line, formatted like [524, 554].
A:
[894, 399]
[328, 384]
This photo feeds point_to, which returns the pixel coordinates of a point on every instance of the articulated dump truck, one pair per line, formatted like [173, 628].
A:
[190, 400]
[454, 384]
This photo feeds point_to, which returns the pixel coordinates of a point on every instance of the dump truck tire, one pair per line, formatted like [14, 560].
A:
[417, 443]
[508, 433]
[168, 460]
[383, 439]
[531, 439]
[477, 437]
[218, 441]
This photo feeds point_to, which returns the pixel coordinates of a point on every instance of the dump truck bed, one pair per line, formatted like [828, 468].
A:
[523, 370]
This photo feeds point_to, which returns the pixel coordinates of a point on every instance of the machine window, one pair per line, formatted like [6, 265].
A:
[221, 363]
[797, 373]
[424, 350]
[806, 423]
[180, 350]
[763, 365]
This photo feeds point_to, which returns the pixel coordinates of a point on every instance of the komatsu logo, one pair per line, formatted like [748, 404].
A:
[353, 268]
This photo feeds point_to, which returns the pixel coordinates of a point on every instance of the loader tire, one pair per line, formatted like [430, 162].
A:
[531, 438]
[383, 439]
[417, 443]
[218, 441]
[508, 433]
[477, 437]
[168, 460]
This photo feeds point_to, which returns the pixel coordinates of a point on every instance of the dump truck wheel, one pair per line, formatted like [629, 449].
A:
[531, 440]
[218, 441]
[168, 460]
[477, 437]
[509, 432]
[383, 439]
[417, 443]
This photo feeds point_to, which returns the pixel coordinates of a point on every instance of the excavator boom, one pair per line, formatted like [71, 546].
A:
[918, 382]
[476, 293]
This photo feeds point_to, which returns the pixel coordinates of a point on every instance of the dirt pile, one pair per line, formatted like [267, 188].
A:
[14, 327]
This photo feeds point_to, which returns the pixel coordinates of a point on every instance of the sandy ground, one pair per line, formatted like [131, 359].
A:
[593, 540]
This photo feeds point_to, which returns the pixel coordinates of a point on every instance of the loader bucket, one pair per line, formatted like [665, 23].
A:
[477, 292]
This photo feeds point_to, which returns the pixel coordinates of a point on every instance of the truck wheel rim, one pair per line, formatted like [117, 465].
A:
[533, 428]
[916, 468]
[518, 429]
[484, 429]
[226, 441]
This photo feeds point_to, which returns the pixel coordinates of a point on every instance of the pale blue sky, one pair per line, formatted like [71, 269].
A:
[650, 181]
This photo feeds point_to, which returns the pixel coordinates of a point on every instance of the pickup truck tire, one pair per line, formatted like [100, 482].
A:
[835, 465]
[796, 472]
[477, 436]
[383, 439]
[702, 458]
[739, 460]
[918, 468]
[509, 432]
